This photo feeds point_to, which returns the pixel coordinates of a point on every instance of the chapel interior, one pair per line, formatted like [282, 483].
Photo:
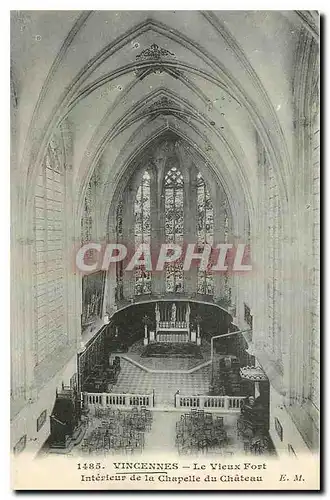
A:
[176, 127]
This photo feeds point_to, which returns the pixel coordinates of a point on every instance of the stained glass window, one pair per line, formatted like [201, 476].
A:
[142, 232]
[205, 222]
[174, 225]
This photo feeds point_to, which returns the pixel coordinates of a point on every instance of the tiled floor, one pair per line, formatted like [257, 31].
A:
[133, 379]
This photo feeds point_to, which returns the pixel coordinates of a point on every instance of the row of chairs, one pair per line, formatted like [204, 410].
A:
[199, 431]
[106, 445]
[117, 431]
[254, 436]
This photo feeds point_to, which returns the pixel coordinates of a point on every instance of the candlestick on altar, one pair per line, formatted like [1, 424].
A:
[146, 321]
[157, 313]
[173, 315]
[188, 314]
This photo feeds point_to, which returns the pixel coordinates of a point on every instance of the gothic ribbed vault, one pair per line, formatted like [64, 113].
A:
[151, 72]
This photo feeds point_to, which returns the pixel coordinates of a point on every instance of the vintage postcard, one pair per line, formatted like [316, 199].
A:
[165, 241]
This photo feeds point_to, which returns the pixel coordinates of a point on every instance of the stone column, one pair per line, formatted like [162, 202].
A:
[17, 324]
[74, 297]
[22, 345]
[72, 275]
[286, 309]
[236, 237]
[219, 210]
[242, 286]
[111, 277]
[26, 341]
[71, 242]
[301, 267]
[259, 258]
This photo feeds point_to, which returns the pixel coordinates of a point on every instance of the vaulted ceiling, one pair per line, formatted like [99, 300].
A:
[216, 80]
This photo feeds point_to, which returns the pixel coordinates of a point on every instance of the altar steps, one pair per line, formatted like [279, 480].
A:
[177, 371]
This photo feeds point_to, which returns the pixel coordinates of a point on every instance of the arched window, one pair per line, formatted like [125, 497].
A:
[142, 232]
[205, 222]
[174, 225]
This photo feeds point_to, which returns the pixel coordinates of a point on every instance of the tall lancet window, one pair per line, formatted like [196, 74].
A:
[205, 223]
[174, 225]
[142, 232]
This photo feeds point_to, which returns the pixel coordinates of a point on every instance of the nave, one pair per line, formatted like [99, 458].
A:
[185, 130]
[136, 432]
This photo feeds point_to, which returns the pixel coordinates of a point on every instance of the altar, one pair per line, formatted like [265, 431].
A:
[172, 324]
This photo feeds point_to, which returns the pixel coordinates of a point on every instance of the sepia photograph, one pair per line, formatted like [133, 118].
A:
[165, 249]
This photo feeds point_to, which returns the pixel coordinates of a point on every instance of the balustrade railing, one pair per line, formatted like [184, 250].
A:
[122, 400]
[172, 337]
[173, 324]
[216, 403]
[231, 404]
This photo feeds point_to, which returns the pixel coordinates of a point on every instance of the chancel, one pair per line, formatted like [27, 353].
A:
[135, 135]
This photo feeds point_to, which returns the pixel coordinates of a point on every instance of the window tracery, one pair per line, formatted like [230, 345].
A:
[142, 232]
[174, 224]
